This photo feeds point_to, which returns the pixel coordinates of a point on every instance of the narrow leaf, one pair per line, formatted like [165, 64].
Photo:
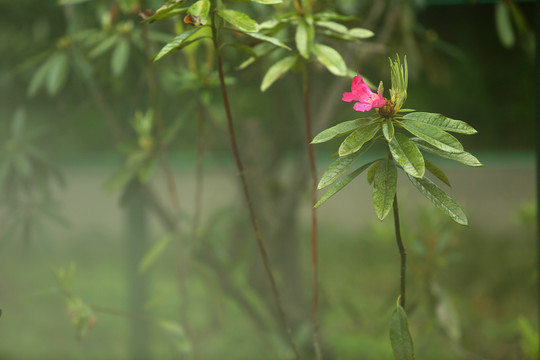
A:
[166, 12]
[268, 39]
[155, 251]
[439, 174]
[442, 122]
[340, 130]
[177, 43]
[120, 57]
[267, 2]
[334, 26]
[360, 33]
[388, 129]
[384, 187]
[358, 137]
[463, 157]
[433, 135]
[304, 38]
[334, 16]
[57, 73]
[200, 11]
[372, 170]
[340, 165]
[239, 19]
[400, 337]
[341, 184]
[503, 24]
[39, 77]
[406, 153]
[277, 70]
[441, 200]
[331, 59]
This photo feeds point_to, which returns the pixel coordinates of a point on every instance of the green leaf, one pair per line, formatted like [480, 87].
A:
[277, 70]
[384, 187]
[166, 12]
[200, 10]
[358, 137]
[176, 335]
[400, 337]
[39, 77]
[331, 59]
[439, 174]
[341, 184]
[442, 122]
[120, 57]
[119, 179]
[244, 48]
[268, 39]
[334, 26]
[360, 33]
[388, 129]
[155, 251]
[334, 16]
[372, 170]
[433, 135]
[103, 46]
[177, 43]
[503, 24]
[463, 157]
[267, 2]
[441, 200]
[304, 38]
[239, 19]
[339, 166]
[340, 129]
[58, 71]
[406, 153]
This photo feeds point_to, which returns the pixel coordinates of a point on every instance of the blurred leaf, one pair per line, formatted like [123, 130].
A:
[433, 135]
[358, 137]
[441, 200]
[442, 122]
[334, 26]
[447, 314]
[120, 57]
[340, 184]
[400, 337]
[336, 169]
[81, 314]
[103, 46]
[439, 174]
[22, 165]
[529, 338]
[239, 19]
[17, 124]
[38, 79]
[268, 39]
[267, 2]
[503, 23]
[388, 129]
[334, 16]
[340, 129]
[331, 59]
[406, 153]
[200, 10]
[360, 33]
[177, 43]
[166, 12]
[384, 187]
[244, 48]
[119, 179]
[176, 335]
[70, 2]
[146, 169]
[304, 38]
[463, 157]
[57, 73]
[154, 252]
[277, 70]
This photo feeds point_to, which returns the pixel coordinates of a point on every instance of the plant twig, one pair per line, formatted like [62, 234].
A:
[309, 138]
[241, 174]
[402, 253]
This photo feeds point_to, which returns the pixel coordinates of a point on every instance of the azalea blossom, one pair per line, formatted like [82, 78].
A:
[366, 99]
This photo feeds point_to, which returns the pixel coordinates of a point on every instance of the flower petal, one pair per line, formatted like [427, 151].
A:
[349, 96]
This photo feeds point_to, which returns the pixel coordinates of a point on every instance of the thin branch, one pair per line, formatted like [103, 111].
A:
[309, 138]
[402, 253]
[241, 174]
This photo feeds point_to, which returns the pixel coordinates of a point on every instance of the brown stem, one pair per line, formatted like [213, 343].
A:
[313, 166]
[255, 223]
[402, 253]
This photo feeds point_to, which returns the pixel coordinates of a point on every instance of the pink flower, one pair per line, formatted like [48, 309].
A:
[361, 92]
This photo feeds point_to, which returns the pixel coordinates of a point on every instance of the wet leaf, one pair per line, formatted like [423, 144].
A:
[400, 337]
[442, 122]
[440, 199]
[384, 187]
[433, 135]
[463, 157]
[406, 153]
[358, 137]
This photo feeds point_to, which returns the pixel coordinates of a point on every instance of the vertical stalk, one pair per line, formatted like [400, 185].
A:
[402, 253]
[313, 166]
[241, 174]
[199, 174]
